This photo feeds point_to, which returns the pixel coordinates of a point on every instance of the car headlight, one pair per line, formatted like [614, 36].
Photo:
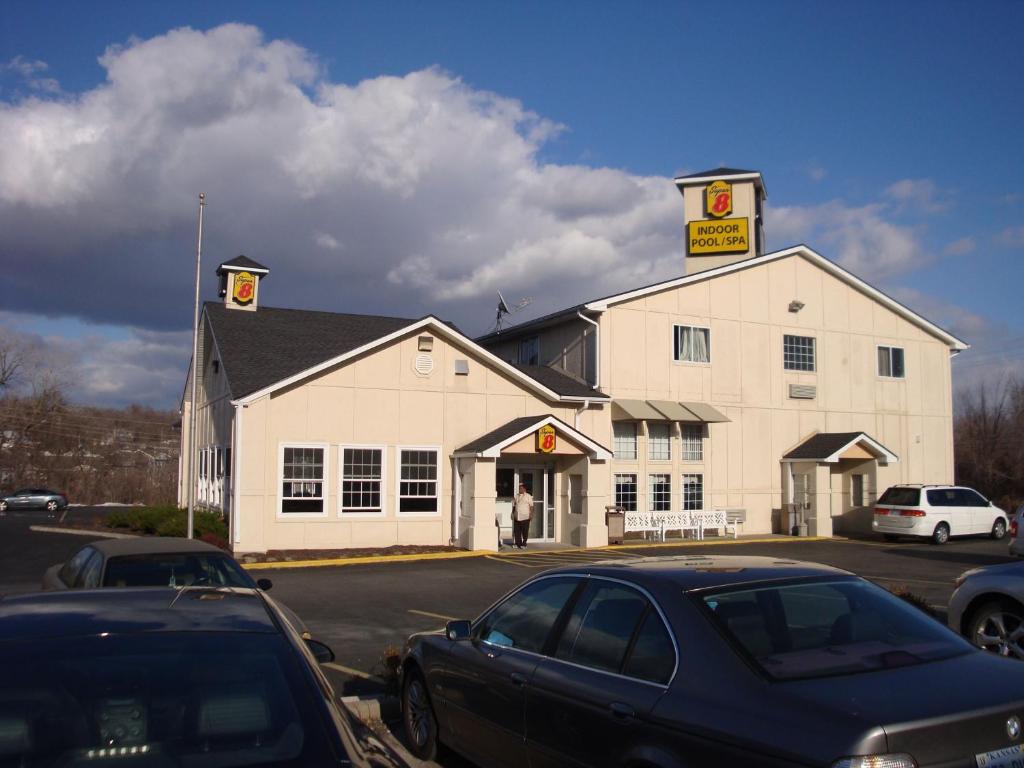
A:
[876, 761]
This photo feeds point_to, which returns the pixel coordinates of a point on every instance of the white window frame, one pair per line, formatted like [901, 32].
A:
[675, 336]
[667, 426]
[686, 452]
[362, 513]
[615, 450]
[650, 491]
[636, 490]
[814, 354]
[325, 487]
[889, 348]
[398, 480]
[682, 491]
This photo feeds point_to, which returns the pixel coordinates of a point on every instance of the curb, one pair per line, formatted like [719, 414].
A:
[81, 532]
[382, 707]
[611, 549]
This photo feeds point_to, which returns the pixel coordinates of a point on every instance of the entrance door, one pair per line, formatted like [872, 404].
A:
[535, 480]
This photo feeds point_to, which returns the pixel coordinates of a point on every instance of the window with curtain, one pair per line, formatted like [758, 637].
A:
[624, 440]
[890, 362]
[692, 344]
[659, 488]
[659, 441]
[693, 492]
[693, 442]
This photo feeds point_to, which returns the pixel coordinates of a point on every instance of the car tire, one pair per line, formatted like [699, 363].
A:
[998, 627]
[891, 536]
[941, 534]
[418, 716]
[998, 529]
[51, 506]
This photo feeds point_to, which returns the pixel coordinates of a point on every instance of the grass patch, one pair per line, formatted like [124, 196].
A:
[169, 520]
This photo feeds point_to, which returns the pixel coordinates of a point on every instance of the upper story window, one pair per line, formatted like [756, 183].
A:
[693, 442]
[529, 351]
[692, 344]
[798, 353]
[624, 440]
[659, 441]
[890, 362]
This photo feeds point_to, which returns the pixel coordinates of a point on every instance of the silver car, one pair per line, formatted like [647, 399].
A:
[987, 608]
[34, 498]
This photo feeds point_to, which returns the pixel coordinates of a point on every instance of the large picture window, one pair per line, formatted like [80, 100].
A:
[798, 353]
[624, 440]
[890, 362]
[693, 442]
[362, 478]
[625, 492]
[302, 479]
[418, 480]
[659, 488]
[692, 344]
[659, 441]
[693, 492]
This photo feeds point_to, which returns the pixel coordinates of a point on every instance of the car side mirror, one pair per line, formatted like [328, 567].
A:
[321, 651]
[264, 584]
[458, 630]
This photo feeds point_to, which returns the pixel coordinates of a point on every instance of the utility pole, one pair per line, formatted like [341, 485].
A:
[195, 377]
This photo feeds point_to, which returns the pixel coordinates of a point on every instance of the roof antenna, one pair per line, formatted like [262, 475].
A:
[505, 309]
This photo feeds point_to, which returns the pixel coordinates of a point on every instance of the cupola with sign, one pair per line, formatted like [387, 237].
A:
[240, 282]
[722, 212]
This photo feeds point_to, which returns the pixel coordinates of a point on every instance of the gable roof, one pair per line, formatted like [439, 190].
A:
[732, 174]
[600, 305]
[828, 446]
[491, 444]
[270, 348]
[242, 262]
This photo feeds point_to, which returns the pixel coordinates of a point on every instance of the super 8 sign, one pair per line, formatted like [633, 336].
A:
[718, 199]
[546, 439]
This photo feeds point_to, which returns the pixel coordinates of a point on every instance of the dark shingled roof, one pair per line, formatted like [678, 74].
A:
[823, 445]
[559, 382]
[511, 429]
[268, 345]
[244, 262]
[716, 172]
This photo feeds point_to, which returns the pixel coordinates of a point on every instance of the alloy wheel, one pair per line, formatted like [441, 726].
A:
[418, 715]
[1000, 631]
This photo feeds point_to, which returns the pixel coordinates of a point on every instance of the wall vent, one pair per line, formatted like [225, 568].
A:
[803, 391]
[462, 367]
[423, 365]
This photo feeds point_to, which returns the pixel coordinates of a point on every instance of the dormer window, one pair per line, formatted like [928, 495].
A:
[529, 351]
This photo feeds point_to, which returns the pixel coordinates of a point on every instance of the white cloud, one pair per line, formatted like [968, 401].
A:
[1011, 237]
[960, 247]
[29, 71]
[919, 196]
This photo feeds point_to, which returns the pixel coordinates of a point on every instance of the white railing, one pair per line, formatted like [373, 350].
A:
[696, 521]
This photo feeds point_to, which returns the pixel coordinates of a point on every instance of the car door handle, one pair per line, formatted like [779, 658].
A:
[622, 711]
[517, 678]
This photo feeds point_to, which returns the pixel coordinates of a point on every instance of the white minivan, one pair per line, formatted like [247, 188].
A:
[936, 512]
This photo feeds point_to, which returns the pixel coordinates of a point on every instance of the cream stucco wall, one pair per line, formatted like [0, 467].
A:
[380, 400]
[747, 312]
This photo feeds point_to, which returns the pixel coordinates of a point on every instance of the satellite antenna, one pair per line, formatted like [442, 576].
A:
[505, 309]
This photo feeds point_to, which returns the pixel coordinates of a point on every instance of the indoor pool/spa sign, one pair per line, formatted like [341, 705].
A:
[720, 236]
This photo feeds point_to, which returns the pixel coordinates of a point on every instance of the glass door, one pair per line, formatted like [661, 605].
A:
[533, 479]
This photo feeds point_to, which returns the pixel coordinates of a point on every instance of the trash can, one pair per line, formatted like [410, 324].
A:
[615, 519]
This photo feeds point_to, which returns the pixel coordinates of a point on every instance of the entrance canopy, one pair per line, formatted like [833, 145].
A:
[668, 410]
[830, 447]
[494, 442]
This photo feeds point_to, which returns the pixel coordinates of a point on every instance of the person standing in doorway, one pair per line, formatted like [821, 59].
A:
[522, 511]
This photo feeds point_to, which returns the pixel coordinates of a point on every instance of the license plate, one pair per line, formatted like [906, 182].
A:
[1010, 757]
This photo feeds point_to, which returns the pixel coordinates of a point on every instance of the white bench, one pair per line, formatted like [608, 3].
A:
[682, 522]
[645, 522]
[722, 521]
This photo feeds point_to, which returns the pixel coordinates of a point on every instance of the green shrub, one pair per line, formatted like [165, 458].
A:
[168, 520]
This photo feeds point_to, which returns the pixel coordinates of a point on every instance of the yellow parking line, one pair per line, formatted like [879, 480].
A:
[432, 615]
[506, 561]
[353, 672]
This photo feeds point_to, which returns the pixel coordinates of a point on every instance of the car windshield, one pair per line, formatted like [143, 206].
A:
[175, 570]
[160, 698]
[901, 497]
[822, 628]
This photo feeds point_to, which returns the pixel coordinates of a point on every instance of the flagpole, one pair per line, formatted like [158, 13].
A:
[195, 376]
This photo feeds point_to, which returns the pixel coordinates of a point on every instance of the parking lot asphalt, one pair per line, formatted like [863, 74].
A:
[362, 610]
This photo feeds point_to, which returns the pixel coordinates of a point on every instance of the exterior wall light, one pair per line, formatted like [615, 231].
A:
[795, 306]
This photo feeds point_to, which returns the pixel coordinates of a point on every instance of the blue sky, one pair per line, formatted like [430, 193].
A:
[405, 158]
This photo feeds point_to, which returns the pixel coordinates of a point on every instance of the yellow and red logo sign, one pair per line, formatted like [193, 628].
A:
[244, 290]
[546, 440]
[718, 199]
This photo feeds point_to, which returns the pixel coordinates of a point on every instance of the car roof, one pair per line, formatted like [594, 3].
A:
[76, 613]
[152, 545]
[691, 572]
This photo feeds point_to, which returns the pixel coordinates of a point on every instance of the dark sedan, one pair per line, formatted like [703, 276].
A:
[703, 661]
[34, 498]
[196, 677]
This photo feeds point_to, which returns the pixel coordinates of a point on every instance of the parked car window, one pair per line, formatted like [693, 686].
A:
[72, 567]
[174, 570]
[971, 498]
[601, 626]
[89, 578]
[652, 657]
[901, 497]
[944, 497]
[524, 621]
[782, 628]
